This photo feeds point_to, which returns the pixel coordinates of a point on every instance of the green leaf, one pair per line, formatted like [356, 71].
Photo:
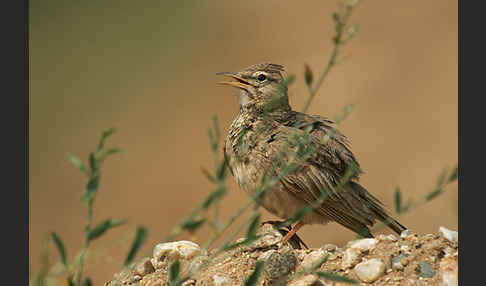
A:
[208, 175]
[93, 164]
[60, 246]
[77, 163]
[407, 206]
[174, 273]
[104, 135]
[252, 228]
[140, 237]
[214, 196]
[216, 127]
[103, 227]
[221, 171]
[335, 17]
[105, 153]
[212, 142]
[398, 201]
[442, 177]
[453, 175]
[192, 225]
[308, 75]
[91, 188]
[335, 277]
[253, 278]
[433, 194]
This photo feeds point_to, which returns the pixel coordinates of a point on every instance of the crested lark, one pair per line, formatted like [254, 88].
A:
[262, 139]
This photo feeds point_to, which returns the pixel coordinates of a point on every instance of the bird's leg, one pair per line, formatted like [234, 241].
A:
[291, 232]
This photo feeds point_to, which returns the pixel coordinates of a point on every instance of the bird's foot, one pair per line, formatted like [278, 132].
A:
[292, 236]
[289, 234]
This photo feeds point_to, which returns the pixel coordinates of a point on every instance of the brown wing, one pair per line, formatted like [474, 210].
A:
[350, 205]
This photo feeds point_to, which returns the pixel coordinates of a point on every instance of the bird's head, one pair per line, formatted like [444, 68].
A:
[260, 87]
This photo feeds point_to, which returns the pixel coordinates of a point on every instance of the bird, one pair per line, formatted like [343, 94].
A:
[307, 160]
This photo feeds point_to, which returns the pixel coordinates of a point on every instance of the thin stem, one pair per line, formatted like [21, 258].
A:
[86, 242]
[341, 22]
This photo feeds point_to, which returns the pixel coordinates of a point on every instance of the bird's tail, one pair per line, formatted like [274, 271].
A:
[377, 208]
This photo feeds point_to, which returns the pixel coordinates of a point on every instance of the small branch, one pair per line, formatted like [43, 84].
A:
[340, 23]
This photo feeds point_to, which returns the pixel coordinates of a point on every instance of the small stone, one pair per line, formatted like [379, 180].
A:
[405, 249]
[429, 236]
[448, 270]
[311, 259]
[145, 267]
[425, 270]
[278, 265]
[412, 282]
[135, 278]
[448, 251]
[329, 247]
[364, 244]
[450, 235]
[405, 233]
[396, 262]
[221, 280]
[156, 264]
[324, 282]
[180, 250]
[307, 280]
[370, 270]
[433, 245]
[189, 282]
[333, 256]
[268, 237]
[404, 261]
[350, 258]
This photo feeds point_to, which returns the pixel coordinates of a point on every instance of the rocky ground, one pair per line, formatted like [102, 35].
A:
[409, 259]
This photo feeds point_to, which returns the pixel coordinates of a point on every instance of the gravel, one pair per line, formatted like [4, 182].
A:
[370, 270]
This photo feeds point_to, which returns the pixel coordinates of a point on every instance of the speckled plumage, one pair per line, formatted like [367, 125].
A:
[264, 125]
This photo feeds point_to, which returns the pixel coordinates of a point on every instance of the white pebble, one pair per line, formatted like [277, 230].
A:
[221, 280]
[312, 258]
[450, 235]
[405, 233]
[364, 244]
[176, 250]
[350, 258]
[405, 249]
[370, 270]
[448, 270]
[306, 280]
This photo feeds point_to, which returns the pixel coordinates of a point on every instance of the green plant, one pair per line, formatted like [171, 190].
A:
[74, 270]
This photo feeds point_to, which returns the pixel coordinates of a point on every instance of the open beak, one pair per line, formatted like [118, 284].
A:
[239, 83]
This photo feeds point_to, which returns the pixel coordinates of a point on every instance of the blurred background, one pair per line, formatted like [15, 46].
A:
[148, 68]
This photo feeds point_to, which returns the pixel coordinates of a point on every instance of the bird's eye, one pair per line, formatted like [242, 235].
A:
[262, 77]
